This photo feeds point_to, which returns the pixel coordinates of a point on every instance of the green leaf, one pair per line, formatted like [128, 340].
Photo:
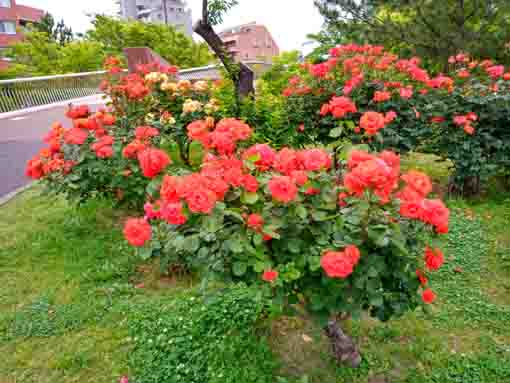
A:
[314, 262]
[259, 267]
[372, 272]
[173, 150]
[145, 253]
[301, 212]
[271, 233]
[336, 132]
[234, 214]
[239, 268]
[376, 300]
[236, 246]
[249, 198]
[191, 244]
[196, 153]
[258, 239]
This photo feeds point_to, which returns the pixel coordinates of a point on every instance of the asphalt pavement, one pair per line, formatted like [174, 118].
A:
[21, 138]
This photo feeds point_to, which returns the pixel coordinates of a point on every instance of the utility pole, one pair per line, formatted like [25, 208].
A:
[165, 11]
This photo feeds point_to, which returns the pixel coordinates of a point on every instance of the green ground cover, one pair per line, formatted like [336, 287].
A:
[77, 305]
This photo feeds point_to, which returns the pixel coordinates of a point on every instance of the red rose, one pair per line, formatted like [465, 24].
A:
[340, 106]
[132, 149]
[421, 277]
[262, 155]
[390, 116]
[299, 176]
[381, 96]
[168, 189]
[153, 161]
[406, 93]
[109, 119]
[201, 200]
[104, 152]
[270, 275]
[372, 122]
[137, 231]
[76, 136]
[428, 296]
[286, 161]
[418, 181]
[34, 168]
[145, 132]
[353, 253]
[469, 129]
[172, 213]
[337, 264]
[434, 259]
[199, 131]
[315, 159]
[412, 209]
[437, 214]
[255, 222]
[250, 183]
[283, 189]
[151, 212]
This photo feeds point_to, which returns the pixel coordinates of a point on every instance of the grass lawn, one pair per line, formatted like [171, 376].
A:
[77, 306]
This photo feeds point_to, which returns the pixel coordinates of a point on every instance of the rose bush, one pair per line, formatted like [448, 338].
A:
[340, 238]
[338, 232]
[117, 151]
[400, 106]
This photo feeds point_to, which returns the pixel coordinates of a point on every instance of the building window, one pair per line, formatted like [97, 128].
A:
[5, 3]
[8, 27]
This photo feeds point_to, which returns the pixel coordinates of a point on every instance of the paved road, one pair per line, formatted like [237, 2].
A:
[20, 139]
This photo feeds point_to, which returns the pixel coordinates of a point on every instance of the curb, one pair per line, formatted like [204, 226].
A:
[40, 108]
[6, 198]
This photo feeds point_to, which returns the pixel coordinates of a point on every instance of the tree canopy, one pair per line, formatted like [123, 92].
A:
[175, 47]
[49, 48]
[424, 27]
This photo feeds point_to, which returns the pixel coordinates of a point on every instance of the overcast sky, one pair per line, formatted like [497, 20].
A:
[288, 20]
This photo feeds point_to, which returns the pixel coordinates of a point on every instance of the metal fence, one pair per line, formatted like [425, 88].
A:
[36, 91]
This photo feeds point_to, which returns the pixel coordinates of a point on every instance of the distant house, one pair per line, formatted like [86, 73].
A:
[250, 42]
[13, 18]
[171, 12]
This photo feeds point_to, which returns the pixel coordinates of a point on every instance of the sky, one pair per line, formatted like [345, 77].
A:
[289, 21]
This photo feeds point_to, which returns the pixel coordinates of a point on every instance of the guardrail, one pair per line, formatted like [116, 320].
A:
[37, 91]
[23, 93]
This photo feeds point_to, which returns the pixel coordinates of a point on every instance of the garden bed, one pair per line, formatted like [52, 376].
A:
[74, 300]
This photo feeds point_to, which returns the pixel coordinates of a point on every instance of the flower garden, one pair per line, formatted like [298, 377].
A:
[349, 229]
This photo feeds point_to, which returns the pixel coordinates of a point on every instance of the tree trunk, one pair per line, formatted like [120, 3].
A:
[343, 347]
[241, 75]
[471, 187]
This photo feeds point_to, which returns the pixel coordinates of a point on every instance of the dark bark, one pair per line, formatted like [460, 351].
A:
[241, 75]
[471, 187]
[343, 347]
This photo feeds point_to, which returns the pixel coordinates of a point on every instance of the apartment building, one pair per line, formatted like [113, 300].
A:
[171, 12]
[250, 42]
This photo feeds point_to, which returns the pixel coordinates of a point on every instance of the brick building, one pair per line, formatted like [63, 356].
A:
[13, 17]
[250, 42]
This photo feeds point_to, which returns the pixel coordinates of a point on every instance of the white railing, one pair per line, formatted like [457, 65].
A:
[28, 92]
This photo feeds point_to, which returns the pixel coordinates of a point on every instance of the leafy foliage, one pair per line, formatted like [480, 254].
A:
[479, 27]
[424, 112]
[217, 8]
[195, 338]
[164, 105]
[59, 33]
[176, 48]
